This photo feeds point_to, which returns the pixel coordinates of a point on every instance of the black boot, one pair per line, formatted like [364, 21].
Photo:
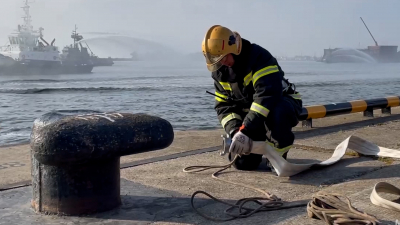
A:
[247, 162]
[285, 155]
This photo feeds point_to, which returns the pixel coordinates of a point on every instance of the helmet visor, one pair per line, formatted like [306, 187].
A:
[213, 61]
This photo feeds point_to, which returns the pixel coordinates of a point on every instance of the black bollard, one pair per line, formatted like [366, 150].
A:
[76, 158]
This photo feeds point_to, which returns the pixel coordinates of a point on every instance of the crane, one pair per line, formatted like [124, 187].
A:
[376, 43]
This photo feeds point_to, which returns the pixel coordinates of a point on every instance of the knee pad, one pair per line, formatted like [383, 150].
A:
[282, 151]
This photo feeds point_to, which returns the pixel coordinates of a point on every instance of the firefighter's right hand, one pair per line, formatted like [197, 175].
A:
[241, 144]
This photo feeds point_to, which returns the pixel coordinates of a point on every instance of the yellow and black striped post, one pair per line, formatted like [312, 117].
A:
[366, 106]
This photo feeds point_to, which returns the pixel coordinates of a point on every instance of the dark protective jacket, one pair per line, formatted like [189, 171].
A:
[247, 91]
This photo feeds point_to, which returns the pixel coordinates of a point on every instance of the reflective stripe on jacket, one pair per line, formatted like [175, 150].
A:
[256, 83]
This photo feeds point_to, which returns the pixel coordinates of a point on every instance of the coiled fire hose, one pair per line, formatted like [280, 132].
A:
[324, 206]
[330, 208]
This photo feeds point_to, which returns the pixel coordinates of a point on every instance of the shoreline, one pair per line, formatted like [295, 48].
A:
[330, 121]
[177, 130]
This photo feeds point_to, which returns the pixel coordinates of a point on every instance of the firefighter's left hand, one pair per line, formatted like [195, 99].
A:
[241, 144]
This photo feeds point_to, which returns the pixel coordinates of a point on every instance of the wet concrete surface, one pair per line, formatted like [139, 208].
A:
[142, 204]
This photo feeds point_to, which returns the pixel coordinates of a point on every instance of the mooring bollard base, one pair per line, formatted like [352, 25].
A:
[76, 190]
[307, 123]
[386, 111]
[369, 112]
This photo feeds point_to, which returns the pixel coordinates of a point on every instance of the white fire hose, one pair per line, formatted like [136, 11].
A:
[284, 168]
[325, 206]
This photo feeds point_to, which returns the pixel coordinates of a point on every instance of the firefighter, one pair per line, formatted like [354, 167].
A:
[254, 101]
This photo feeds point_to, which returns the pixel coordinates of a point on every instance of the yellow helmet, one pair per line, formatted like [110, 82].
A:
[218, 42]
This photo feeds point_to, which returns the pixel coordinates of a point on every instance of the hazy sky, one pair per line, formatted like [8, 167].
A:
[283, 27]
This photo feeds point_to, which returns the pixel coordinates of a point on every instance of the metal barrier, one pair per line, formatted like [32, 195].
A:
[366, 106]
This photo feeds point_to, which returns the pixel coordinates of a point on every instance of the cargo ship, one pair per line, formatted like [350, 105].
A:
[372, 54]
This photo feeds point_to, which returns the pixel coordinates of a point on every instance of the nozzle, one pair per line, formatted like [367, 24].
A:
[226, 144]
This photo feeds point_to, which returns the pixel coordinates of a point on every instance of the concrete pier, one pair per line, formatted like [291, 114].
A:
[155, 190]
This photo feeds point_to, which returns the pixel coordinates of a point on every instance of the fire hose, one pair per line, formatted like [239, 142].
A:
[325, 206]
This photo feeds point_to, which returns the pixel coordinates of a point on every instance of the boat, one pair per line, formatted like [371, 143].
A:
[97, 61]
[134, 57]
[27, 52]
[77, 52]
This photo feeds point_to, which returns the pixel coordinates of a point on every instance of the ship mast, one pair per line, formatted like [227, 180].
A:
[76, 37]
[27, 18]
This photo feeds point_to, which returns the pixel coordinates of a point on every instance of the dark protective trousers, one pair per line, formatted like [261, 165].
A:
[278, 124]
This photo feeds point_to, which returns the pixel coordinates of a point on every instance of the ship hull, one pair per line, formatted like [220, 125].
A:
[77, 69]
[39, 68]
[102, 61]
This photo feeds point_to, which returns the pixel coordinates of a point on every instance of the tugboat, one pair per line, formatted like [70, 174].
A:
[76, 53]
[75, 56]
[29, 53]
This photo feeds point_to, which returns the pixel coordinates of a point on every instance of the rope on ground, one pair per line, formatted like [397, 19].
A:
[268, 203]
[324, 206]
[330, 208]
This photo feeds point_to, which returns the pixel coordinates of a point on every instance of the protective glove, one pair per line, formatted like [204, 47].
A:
[241, 144]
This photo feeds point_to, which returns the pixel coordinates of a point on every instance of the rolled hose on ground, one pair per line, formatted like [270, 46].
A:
[330, 208]
[384, 187]
[325, 206]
